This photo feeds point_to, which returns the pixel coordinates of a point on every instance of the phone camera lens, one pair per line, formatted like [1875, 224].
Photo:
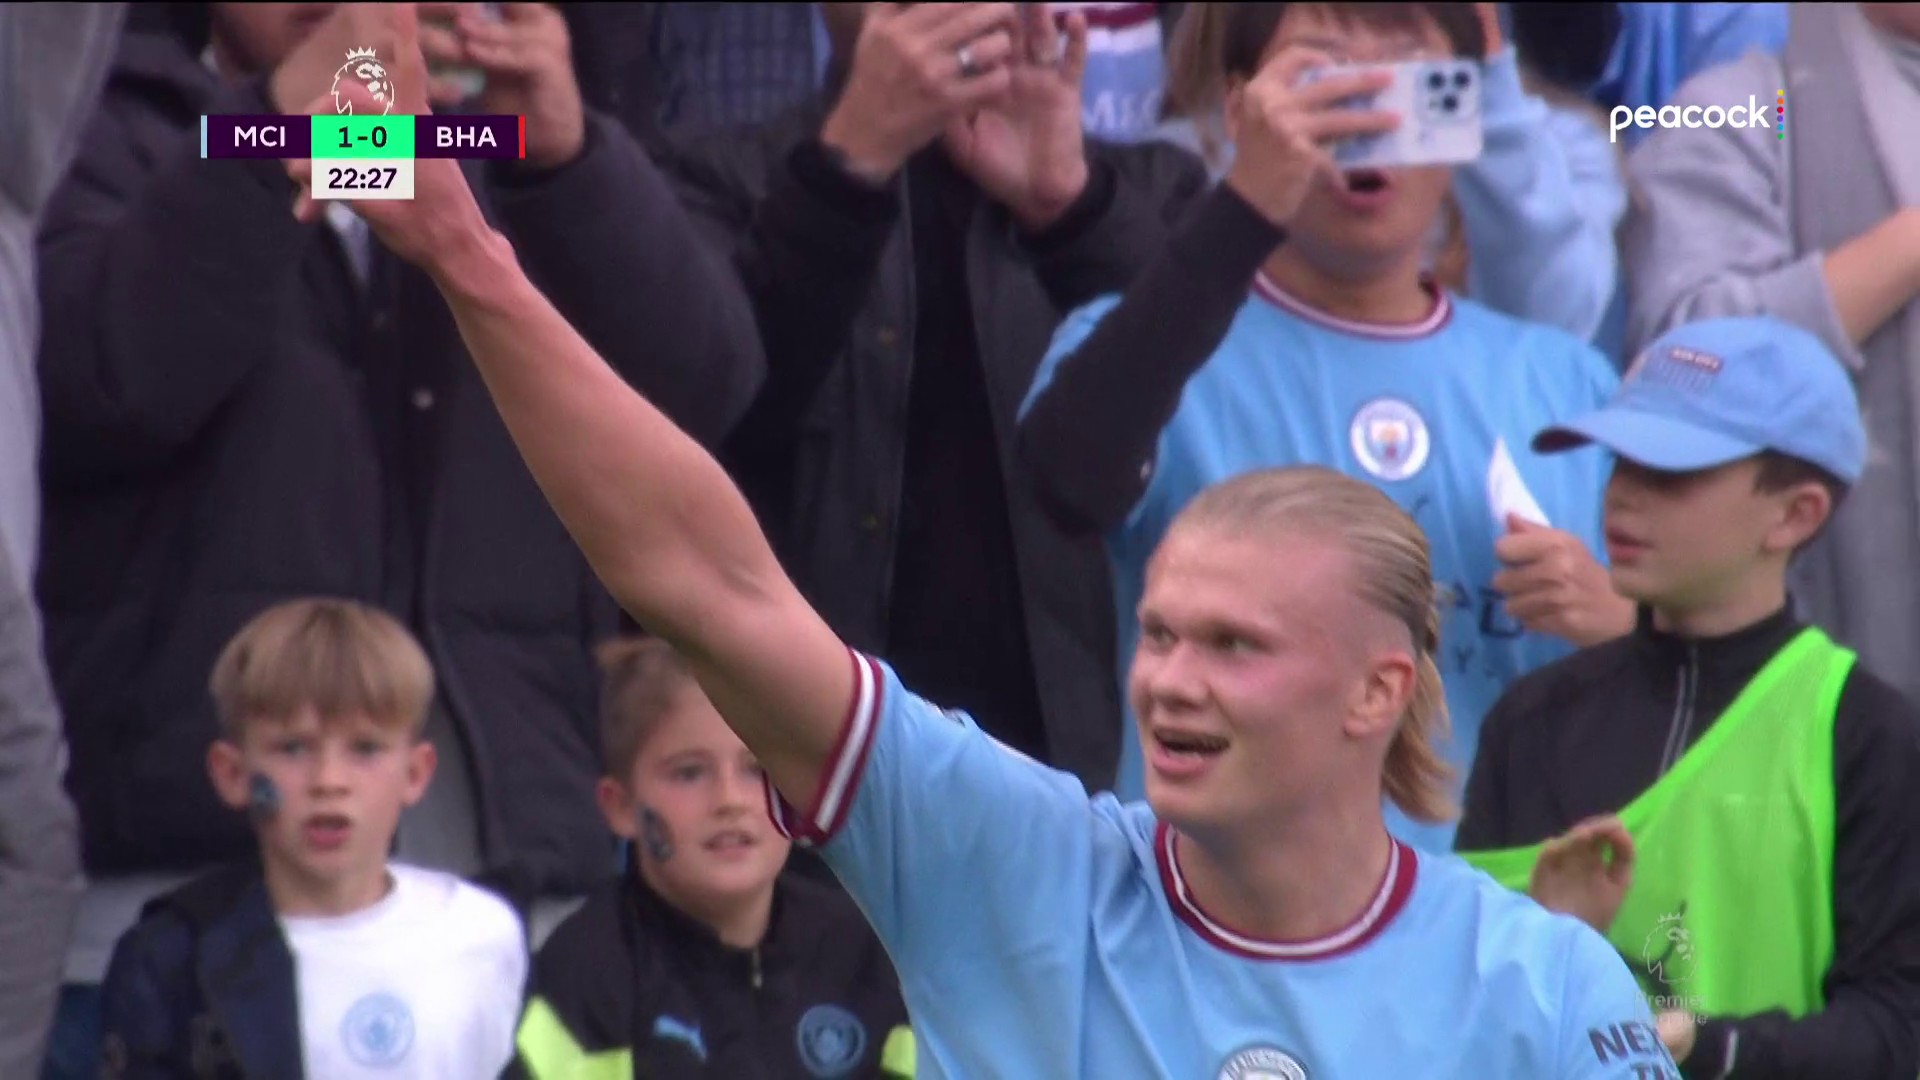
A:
[1449, 103]
[1437, 81]
[1460, 80]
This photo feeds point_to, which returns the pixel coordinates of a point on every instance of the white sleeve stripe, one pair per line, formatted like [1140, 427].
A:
[841, 775]
[845, 770]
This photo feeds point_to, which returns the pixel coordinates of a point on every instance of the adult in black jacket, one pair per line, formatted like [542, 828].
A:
[237, 414]
[906, 289]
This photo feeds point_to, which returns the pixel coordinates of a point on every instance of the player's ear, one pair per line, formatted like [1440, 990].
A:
[1383, 694]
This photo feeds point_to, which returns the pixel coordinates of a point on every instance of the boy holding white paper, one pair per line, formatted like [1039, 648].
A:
[1725, 793]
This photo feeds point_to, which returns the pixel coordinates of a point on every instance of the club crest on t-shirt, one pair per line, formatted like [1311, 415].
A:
[378, 1030]
[831, 1041]
[1390, 438]
[1262, 1063]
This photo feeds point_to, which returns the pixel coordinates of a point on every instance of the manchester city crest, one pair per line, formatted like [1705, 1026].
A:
[378, 1030]
[831, 1041]
[1390, 438]
[1262, 1063]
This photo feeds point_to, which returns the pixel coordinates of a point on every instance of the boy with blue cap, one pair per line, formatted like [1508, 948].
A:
[1724, 792]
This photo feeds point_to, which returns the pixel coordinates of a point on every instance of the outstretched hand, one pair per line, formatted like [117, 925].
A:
[1586, 872]
[1027, 148]
[443, 215]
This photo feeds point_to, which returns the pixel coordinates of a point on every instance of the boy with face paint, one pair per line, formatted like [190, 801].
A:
[702, 929]
[321, 952]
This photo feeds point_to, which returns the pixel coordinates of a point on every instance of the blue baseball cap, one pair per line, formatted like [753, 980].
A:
[1715, 391]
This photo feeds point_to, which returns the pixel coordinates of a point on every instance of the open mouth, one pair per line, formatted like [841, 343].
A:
[327, 830]
[1190, 744]
[730, 840]
[1366, 181]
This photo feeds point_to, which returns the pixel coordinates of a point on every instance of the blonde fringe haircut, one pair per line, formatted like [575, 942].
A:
[1392, 571]
[338, 657]
[641, 680]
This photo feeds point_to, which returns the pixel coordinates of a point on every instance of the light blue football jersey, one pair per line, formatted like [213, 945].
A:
[1416, 410]
[1038, 933]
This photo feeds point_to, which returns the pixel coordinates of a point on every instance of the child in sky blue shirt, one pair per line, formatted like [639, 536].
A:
[1193, 377]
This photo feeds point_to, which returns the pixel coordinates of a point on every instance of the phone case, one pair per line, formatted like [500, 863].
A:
[1439, 106]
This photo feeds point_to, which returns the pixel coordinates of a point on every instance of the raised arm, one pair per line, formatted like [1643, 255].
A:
[656, 517]
[1107, 388]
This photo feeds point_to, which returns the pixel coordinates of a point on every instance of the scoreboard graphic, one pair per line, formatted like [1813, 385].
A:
[358, 157]
[363, 157]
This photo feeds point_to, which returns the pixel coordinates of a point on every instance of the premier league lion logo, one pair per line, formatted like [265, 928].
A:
[365, 68]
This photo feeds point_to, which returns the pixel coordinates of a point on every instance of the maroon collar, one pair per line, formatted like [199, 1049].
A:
[1396, 885]
[1436, 317]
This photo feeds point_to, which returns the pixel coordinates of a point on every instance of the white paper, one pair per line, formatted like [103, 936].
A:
[1507, 493]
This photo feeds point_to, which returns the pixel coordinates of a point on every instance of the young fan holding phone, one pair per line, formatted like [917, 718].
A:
[1289, 322]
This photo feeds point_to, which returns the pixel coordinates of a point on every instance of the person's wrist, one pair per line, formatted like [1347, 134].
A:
[862, 157]
[1045, 208]
[1618, 620]
[551, 154]
[466, 258]
[1249, 191]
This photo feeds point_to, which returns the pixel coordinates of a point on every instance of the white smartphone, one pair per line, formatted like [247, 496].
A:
[1439, 106]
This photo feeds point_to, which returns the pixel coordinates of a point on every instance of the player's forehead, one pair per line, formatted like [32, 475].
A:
[1354, 33]
[1204, 576]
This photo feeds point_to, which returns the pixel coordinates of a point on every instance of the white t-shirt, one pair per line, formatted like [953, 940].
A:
[424, 985]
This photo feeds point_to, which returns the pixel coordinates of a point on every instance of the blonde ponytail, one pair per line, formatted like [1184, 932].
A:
[1417, 778]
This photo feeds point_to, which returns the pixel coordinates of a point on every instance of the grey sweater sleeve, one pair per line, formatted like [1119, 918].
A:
[53, 60]
[1708, 233]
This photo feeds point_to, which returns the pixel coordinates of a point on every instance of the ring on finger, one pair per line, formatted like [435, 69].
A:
[968, 68]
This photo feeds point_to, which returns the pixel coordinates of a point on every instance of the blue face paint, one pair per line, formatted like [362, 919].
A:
[655, 836]
[263, 797]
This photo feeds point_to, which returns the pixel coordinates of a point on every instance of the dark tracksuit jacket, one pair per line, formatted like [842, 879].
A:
[203, 987]
[630, 977]
[1587, 734]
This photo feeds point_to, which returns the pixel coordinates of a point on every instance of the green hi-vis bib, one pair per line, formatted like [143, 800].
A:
[1731, 907]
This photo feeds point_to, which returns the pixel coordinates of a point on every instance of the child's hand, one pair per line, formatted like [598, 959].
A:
[1586, 872]
[1553, 585]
